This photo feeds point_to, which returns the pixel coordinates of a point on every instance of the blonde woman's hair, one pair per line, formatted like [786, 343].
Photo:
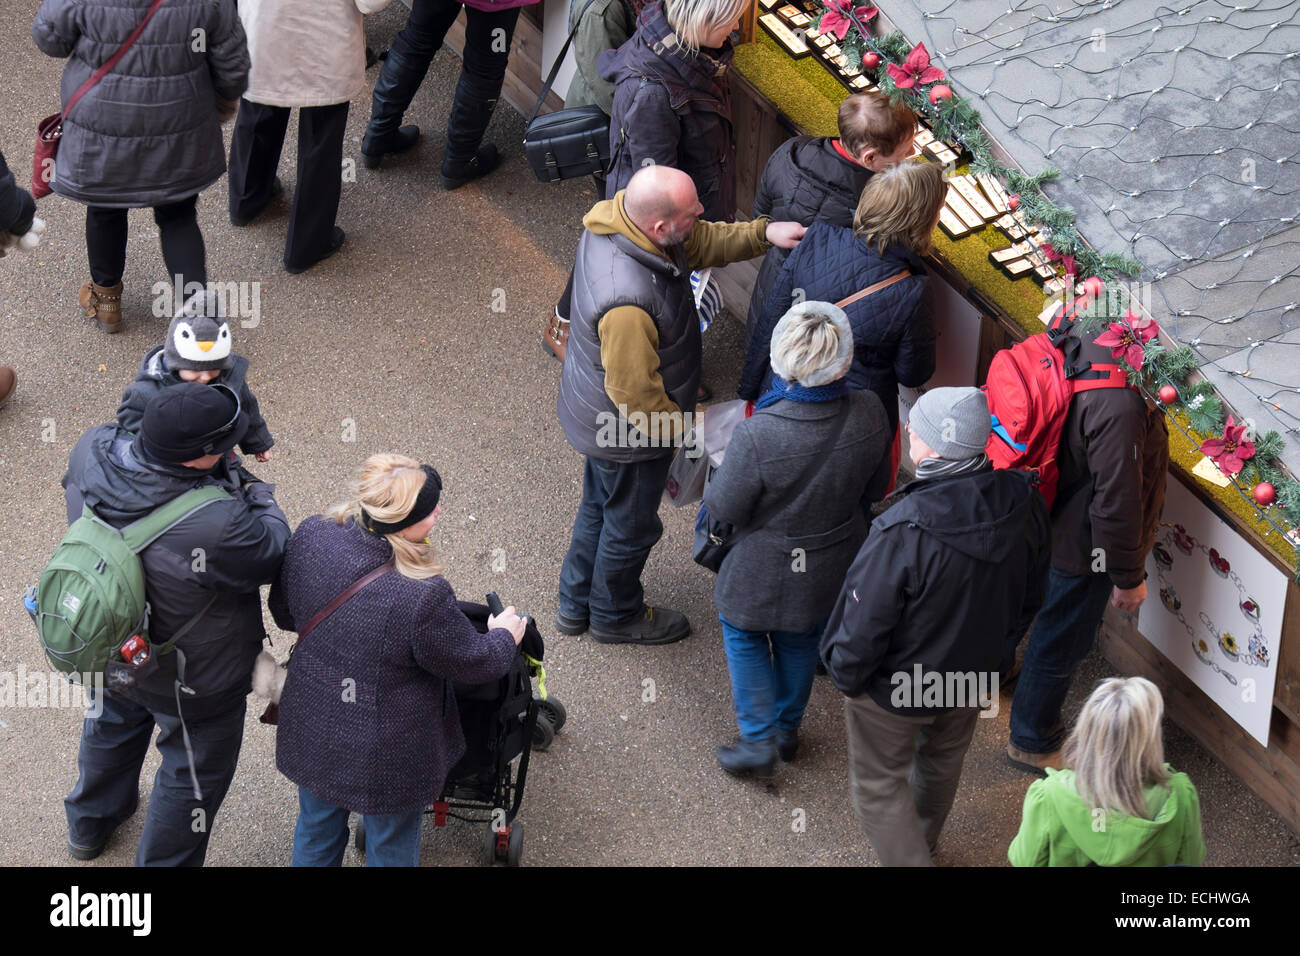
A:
[900, 205]
[1116, 747]
[692, 19]
[809, 347]
[387, 489]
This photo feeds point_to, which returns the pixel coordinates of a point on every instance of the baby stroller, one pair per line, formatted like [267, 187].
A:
[500, 720]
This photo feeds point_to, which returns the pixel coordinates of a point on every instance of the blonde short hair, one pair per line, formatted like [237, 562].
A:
[387, 489]
[812, 344]
[900, 205]
[692, 19]
[1116, 749]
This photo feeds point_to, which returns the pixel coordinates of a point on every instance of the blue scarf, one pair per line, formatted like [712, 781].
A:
[801, 393]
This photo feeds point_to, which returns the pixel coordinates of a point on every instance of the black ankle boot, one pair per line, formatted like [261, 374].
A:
[396, 86]
[749, 756]
[455, 175]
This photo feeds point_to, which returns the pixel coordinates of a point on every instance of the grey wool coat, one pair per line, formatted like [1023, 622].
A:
[786, 574]
[147, 134]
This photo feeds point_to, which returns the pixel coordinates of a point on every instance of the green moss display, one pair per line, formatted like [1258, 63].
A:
[800, 89]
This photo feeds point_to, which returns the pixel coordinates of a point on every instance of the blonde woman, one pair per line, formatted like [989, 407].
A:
[368, 720]
[893, 336]
[1120, 804]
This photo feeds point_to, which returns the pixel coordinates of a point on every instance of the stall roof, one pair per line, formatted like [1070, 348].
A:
[1177, 133]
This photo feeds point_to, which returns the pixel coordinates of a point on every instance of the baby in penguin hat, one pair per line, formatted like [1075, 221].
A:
[197, 349]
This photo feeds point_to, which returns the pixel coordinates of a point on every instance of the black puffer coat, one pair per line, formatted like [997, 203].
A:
[147, 133]
[673, 108]
[806, 180]
[242, 542]
[893, 335]
[946, 575]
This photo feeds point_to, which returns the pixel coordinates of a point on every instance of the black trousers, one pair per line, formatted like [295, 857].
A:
[255, 156]
[178, 229]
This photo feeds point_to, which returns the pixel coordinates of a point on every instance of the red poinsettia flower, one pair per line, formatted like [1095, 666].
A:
[1054, 256]
[915, 69]
[1231, 451]
[1126, 339]
[836, 18]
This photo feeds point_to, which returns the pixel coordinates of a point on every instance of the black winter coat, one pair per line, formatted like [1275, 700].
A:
[806, 180]
[673, 108]
[242, 542]
[893, 334]
[368, 717]
[946, 575]
[154, 376]
[17, 207]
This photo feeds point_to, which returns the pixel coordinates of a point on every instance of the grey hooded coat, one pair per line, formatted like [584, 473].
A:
[147, 134]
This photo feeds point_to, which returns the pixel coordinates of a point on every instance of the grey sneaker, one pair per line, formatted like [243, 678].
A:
[657, 625]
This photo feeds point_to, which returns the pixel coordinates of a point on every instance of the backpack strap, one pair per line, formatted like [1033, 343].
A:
[1099, 375]
[141, 533]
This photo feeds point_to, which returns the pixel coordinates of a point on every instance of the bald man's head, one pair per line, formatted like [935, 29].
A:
[661, 201]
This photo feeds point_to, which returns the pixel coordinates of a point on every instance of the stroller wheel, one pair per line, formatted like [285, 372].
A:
[515, 855]
[543, 732]
[359, 836]
[489, 846]
[553, 710]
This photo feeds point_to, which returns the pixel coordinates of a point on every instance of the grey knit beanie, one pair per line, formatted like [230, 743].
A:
[954, 422]
[199, 335]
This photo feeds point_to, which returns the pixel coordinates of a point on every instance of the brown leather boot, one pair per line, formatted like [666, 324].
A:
[555, 335]
[103, 304]
[8, 382]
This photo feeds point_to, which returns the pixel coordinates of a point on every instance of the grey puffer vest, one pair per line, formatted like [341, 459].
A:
[611, 271]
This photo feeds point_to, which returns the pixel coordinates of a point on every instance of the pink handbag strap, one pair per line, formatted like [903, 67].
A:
[113, 60]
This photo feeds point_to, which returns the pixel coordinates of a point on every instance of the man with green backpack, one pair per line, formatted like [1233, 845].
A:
[205, 544]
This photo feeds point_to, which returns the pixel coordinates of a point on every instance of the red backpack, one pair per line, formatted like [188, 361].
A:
[1029, 390]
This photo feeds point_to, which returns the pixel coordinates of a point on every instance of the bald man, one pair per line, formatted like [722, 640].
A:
[627, 391]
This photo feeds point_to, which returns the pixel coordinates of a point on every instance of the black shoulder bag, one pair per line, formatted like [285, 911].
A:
[571, 142]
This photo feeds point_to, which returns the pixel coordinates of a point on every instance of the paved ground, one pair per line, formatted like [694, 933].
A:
[397, 334]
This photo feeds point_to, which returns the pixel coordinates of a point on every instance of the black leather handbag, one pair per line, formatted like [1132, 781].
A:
[570, 142]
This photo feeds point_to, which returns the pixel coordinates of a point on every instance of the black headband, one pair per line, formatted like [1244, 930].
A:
[425, 502]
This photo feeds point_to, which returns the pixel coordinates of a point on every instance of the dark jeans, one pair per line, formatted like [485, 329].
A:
[617, 525]
[113, 748]
[255, 155]
[1062, 635]
[178, 229]
[482, 71]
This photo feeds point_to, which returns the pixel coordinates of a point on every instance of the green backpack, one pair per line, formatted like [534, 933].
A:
[91, 598]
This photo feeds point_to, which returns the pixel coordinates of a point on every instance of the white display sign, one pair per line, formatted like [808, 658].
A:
[1214, 607]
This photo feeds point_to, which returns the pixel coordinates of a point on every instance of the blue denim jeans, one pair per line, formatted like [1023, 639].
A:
[1062, 635]
[113, 748]
[616, 526]
[321, 835]
[771, 677]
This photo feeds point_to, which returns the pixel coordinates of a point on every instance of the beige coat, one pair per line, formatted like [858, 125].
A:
[306, 52]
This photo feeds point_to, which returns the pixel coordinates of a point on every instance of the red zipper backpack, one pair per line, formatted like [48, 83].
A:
[1029, 390]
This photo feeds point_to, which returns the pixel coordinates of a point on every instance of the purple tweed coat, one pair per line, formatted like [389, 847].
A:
[368, 718]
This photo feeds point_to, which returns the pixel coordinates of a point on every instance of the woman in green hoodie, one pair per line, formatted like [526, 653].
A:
[1121, 804]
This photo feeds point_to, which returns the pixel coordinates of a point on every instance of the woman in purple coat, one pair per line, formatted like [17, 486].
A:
[368, 719]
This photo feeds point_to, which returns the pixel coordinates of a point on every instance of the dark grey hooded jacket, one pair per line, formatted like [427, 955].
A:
[147, 134]
[242, 541]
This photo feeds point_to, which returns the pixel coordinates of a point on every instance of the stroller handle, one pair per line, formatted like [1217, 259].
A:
[494, 603]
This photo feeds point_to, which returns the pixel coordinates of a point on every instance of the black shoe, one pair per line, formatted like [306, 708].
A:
[749, 756]
[336, 243]
[277, 190]
[455, 175]
[571, 625]
[399, 141]
[398, 80]
[78, 852]
[787, 744]
[657, 625]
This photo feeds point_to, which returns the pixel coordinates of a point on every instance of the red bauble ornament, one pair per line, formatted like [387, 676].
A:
[870, 61]
[1264, 494]
[1093, 286]
[1013, 202]
[1168, 394]
[939, 92]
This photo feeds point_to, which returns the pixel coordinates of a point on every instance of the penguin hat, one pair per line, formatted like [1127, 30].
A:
[199, 335]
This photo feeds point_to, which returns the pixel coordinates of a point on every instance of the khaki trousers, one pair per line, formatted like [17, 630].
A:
[903, 776]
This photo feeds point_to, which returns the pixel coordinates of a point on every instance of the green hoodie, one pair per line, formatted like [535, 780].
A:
[1060, 829]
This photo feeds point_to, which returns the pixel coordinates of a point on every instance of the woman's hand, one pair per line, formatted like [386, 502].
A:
[511, 621]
